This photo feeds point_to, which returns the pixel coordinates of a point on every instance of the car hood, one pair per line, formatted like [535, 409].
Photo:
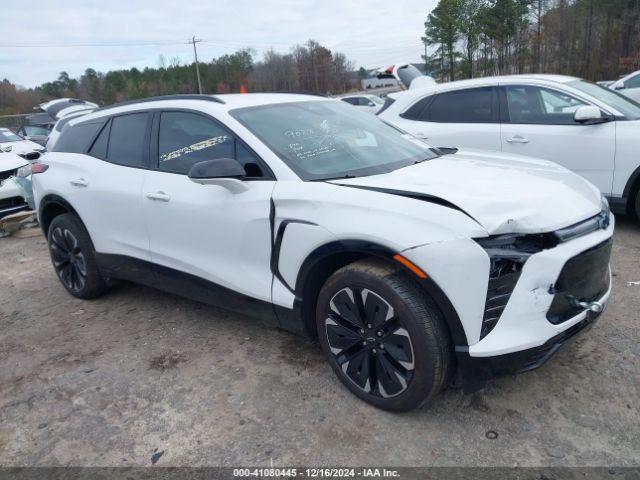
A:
[22, 147]
[503, 193]
[10, 161]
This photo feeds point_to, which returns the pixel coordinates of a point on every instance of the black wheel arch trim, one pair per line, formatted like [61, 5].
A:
[360, 249]
[633, 182]
[53, 199]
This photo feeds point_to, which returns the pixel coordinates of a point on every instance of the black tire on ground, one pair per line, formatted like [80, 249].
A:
[638, 204]
[384, 337]
[73, 259]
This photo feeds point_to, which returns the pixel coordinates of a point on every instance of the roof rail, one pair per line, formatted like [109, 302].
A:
[188, 96]
[305, 92]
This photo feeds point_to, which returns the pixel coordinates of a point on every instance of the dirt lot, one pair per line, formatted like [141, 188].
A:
[141, 377]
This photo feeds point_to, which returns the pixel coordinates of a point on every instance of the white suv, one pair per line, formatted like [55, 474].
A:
[304, 211]
[587, 128]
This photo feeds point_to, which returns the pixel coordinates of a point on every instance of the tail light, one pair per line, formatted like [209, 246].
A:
[37, 167]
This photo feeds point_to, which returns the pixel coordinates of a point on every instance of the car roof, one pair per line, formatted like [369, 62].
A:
[481, 82]
[223, 102]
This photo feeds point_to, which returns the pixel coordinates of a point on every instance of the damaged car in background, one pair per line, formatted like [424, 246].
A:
[15, 184]
[14, 143]
[406, 263]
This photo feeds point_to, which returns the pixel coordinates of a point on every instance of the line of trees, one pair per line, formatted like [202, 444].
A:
[594, 39]
[309, 67]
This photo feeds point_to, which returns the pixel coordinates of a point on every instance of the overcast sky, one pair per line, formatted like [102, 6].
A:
[371, 33]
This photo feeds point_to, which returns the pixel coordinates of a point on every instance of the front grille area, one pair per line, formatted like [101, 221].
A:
[8, 174]
[584, 278]
[502, 280]
[12, 202]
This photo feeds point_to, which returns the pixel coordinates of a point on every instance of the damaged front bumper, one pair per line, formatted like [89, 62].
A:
[532, 305]
[476, 371]
[13, 196]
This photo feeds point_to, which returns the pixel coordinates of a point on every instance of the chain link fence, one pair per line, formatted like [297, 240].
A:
[12, 121]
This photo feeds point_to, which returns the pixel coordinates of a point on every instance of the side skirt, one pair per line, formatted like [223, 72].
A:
[185, 285]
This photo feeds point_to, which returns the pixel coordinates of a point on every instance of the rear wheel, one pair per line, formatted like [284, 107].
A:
[72, 255]
[383, 336]
[638, 204]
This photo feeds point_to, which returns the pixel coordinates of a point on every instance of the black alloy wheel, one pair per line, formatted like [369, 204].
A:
[74, 258]
[369, 342]
[68, 259]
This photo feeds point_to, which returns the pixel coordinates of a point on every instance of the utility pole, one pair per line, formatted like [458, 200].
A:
[193, 41]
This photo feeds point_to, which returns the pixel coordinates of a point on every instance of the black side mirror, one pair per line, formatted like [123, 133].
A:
[215, 169]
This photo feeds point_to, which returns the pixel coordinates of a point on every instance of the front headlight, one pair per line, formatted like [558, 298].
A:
[604, 206]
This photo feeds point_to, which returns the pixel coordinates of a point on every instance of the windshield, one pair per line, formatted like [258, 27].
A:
[9, 136]
[626, 106]
[36, 130]
[320, 140]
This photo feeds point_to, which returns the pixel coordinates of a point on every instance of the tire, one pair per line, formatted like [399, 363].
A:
[638, 204]
[383, 335]
[73, 259]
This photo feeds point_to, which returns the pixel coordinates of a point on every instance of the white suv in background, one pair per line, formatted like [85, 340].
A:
[320, 218]
[589, 129]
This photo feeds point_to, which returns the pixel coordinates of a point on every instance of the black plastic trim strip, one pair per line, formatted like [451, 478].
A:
[277, 245]
[184, 284]
[424, 197]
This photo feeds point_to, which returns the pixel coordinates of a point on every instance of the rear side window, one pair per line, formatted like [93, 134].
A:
[127, 140]
[351, 100]
[474, 105]
[77, 138]
[633, 82]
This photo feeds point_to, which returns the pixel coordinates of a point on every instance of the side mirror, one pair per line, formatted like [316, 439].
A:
[225, 172]
[588, 114]
[618, 86]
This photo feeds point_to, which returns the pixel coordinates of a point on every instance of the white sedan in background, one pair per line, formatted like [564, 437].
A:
[14, 143]
[368, 103]
[628, 86]
[587, 128]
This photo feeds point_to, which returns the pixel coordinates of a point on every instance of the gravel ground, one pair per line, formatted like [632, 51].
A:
[140, 377]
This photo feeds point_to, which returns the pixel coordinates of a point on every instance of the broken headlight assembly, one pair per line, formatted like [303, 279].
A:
[507, 255]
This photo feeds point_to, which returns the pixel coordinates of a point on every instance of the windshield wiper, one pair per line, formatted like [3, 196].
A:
[339, 177]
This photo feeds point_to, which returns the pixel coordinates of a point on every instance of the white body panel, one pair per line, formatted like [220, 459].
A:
[211, 232]
[588, 150]
[107, 197]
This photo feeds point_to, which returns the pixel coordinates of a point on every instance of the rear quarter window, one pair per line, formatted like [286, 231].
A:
[77, 138]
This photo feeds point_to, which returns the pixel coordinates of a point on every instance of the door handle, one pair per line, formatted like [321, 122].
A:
[517, 139]
[422, 136]
[158, 196]
[79, 182]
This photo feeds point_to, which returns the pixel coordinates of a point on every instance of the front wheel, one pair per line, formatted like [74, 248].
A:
[383, 336]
